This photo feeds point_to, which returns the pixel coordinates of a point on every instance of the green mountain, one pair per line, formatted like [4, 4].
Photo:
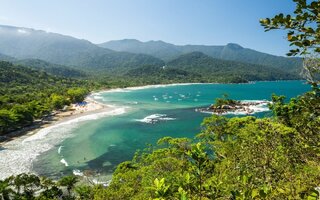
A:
[231, 71]
[233, 52]
[118, 62]
[51, 52]
[23, 43]
[199, 67]
[50, 68]
[26, 43]
[157, 49]
[53, 69]
[160, 75]
[27, 94]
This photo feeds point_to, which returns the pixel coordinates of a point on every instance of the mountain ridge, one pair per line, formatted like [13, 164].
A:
[230, 51]
[26, 43]
[198, 67]
[48, 51]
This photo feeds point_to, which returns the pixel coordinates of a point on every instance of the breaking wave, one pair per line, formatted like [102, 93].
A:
[154, 118]
[18, 155]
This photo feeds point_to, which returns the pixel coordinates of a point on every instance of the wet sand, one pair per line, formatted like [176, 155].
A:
[18, 153]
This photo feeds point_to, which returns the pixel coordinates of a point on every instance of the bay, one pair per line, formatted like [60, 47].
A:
[151, 113]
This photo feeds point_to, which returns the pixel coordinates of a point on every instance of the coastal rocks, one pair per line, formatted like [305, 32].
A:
[237, 108]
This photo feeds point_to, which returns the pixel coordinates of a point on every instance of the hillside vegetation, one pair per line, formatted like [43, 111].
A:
[50, 68]
[232, 158]
[235, 158]
[200, 68]
[26, 43]
[233, 52]
[62, 55]
[27, 94]
[197, 62]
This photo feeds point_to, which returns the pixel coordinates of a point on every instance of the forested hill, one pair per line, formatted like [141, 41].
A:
[116, 63]
[65, 56]
[27, 94]
[199, 67]
[234, 52]
[26, 43]
[229, 71]
[50, 68]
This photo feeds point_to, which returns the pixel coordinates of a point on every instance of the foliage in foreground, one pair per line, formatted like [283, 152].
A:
[237, 158]
[232, 158]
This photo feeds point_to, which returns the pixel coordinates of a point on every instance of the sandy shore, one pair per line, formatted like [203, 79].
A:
[74, 110]
[92, 106]
[128, 89]
[18, 153]
[22, 147]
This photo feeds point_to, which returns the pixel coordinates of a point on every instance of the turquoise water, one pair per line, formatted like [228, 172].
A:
[100, 145]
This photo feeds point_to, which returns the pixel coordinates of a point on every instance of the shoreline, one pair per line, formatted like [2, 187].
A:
[144, 87]
[68, 115]
[22, 147]
[18, 153]
[130, 88]
[56, 117]
[245, 107]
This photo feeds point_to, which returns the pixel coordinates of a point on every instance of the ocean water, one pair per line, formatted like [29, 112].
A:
[151, 113]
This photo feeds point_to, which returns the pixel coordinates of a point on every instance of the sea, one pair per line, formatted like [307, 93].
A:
[95, 145]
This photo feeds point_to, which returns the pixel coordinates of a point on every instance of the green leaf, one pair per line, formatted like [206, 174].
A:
[254, 193]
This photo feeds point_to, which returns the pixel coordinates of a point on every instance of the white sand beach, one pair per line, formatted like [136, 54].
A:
[18, 154]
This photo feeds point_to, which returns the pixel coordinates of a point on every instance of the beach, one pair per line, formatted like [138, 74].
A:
[73, 111]
[21, 148]
[18, 153]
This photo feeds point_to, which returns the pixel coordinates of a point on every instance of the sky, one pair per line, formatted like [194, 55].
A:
[209, 22]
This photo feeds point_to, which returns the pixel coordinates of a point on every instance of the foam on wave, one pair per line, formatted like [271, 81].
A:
[63, 161]
[59, 150]
[154, 118]
[18, 155]
[77, 172]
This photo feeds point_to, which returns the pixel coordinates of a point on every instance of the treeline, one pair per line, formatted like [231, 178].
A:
[210, 69]
[197, 67]
[27, 94]
[232, 158]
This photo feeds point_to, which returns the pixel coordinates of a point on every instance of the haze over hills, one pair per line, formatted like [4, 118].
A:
[55, 54]
[234, 52]
[25, 43]
[6, 58]
[159, 49]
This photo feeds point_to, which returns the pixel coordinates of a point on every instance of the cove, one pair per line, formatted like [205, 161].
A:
[151, 113]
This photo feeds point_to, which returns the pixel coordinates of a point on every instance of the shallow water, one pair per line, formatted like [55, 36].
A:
[152, 113]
